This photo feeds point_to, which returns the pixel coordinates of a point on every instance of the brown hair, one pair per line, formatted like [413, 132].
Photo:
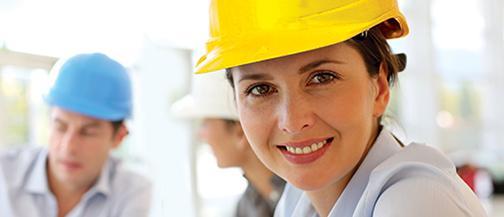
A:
[116, 125]
[375, 50]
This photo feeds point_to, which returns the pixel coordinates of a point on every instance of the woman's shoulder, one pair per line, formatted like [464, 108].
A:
[415, 160]
[420, 180]
[416, 153]
[422, 196]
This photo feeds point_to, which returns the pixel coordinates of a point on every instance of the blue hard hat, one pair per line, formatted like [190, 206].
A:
[93, 85]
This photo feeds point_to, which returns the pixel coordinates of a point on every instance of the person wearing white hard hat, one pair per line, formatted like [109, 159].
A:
[76, 176]
[212, 102]
[312, 81]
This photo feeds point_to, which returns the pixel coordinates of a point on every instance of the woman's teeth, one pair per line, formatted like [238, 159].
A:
[307, 149]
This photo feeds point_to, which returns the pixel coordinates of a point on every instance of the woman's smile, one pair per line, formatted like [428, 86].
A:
[306, 151]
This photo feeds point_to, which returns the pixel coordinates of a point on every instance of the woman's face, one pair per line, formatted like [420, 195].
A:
[311, 117]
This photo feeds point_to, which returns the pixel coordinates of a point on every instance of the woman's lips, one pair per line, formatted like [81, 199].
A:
[305, 152]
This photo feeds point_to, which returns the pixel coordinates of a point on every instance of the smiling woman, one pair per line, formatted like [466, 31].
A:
[296, 109]
[312, 81]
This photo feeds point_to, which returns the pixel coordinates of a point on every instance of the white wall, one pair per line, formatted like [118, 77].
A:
[161, 76]
[418, 84]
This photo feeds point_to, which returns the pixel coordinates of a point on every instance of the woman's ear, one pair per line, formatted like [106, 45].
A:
[382, 90]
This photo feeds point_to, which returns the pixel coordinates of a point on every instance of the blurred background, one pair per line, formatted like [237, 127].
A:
[449, 96]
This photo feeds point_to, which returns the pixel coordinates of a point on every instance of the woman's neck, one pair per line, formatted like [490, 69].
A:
[324, 199]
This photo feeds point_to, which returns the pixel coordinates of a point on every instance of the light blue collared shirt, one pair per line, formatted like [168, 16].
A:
[24, 191]
[414, 181]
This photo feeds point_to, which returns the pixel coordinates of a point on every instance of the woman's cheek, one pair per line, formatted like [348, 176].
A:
[256, 124]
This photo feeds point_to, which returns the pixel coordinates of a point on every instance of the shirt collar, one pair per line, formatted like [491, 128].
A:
[103, 184]
[37, 178]
[37, 181]
[385, 146]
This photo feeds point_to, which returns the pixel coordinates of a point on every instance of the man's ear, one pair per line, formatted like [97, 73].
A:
[119, 136]
[382, 90]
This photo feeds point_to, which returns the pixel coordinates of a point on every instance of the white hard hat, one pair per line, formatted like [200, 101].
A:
[211, 97]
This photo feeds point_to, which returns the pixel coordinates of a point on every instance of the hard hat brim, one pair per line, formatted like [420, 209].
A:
[270, 45]
[86, 108]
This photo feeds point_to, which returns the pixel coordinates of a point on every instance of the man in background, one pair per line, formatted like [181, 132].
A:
[75, 176]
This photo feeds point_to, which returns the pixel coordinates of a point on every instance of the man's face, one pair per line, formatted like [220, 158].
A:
[79, 146]
[224, 140]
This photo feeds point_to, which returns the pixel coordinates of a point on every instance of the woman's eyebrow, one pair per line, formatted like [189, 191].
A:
[316, 64]
[256, 76]
[305, 68]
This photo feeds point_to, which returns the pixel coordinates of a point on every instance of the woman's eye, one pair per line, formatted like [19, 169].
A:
[322, 78]
[260, 90]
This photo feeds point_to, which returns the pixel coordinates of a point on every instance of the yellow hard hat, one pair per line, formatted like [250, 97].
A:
[247, 31]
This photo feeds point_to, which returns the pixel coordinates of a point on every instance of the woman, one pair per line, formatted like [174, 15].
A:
[311, 82]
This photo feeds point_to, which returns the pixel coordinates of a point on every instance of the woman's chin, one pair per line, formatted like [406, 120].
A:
[310, 183]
